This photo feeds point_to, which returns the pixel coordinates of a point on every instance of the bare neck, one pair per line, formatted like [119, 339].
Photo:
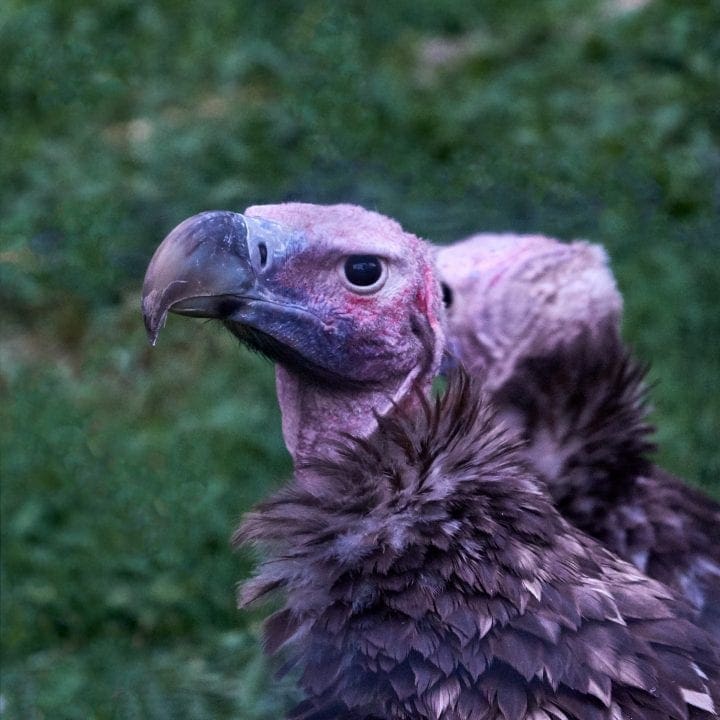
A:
[314, 415]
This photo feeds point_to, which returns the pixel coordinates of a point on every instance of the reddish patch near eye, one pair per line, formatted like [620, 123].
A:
[423, 300]
[354, 300]
[360, 306]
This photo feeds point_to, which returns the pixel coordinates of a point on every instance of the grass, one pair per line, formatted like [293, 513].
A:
[125, 469]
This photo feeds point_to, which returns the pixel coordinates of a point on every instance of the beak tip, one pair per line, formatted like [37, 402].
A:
[152, 335]
[154, 322]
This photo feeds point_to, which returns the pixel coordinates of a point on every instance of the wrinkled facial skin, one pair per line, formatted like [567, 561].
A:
[277, 279]
[312, 320]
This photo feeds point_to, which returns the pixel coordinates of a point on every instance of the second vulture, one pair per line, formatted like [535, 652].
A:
[425, 572]
[540, 321]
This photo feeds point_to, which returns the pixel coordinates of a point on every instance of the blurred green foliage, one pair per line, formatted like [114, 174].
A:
[124, 470]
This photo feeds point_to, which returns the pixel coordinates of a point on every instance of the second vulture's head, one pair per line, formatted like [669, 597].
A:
[512, 297]
[342, 299]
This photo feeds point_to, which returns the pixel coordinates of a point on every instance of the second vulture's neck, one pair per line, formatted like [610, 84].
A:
[315, 416]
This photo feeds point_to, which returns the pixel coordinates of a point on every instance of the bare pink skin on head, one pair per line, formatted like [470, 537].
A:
[519, 295]
[397, 338]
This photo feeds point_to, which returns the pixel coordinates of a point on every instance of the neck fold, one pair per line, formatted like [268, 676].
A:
[314, 415]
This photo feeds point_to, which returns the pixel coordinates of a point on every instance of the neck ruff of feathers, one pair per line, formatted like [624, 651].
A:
[581, 410]
[427, 576]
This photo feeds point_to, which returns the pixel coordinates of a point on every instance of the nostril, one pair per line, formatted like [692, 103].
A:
[262, 249]
[447, 295]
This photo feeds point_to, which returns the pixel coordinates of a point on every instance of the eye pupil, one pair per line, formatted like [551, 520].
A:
[363, 270]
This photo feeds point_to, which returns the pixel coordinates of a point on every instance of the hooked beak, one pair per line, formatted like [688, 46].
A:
[208, 266]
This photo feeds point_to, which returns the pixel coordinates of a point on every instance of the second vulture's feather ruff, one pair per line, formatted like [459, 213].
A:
[428, 577]
[540, 320]
[582, 410]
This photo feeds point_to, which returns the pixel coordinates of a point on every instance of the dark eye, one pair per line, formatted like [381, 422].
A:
[262, 250]
[447, 295]
[363, 272]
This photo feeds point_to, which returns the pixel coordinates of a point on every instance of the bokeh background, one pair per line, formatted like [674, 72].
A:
[125, 469]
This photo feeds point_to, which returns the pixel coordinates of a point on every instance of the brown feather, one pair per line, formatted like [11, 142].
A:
[427, 556]
[582, 411]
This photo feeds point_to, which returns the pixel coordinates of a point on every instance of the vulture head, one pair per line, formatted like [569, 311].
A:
[343, 300]
[510, 297]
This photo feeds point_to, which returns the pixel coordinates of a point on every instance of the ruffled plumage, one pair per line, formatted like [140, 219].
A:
[582, 411]
[427, 575]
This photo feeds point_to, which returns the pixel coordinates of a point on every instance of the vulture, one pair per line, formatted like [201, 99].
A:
[540, 321]
[425, 572]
